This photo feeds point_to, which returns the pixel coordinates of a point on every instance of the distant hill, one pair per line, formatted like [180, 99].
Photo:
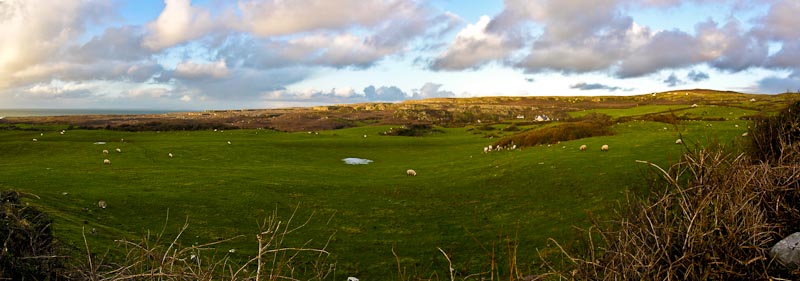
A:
[449, 112]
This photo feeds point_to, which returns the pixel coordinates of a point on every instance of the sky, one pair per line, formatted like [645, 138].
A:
[228, 54]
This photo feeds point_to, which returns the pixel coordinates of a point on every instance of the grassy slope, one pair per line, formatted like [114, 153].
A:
[459, 197]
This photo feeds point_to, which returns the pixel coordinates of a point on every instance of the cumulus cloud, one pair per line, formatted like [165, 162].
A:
[473, 47]
[192, 70]
[781, 21]
[697, 76]
[775, 85]
[384, 93]
[33, 34]
[276, 17]
[673, 80]
[788, 57]
[178, 22]
[431, 90]
[115, 43]
[58, 90]
[583, 86]
[153, 92]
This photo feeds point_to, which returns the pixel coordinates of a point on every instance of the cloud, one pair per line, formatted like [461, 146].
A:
[178, 22]
[275, 17]
[776, 85]
[115, 43]
[781, 21]
[697, 76]
[58, 90]
[473, 47]
[673, 80]
[156, 92]
[34, 31]
[431, 90]
[384, 93]
[788, 57]
[192, 70]
[583, 86]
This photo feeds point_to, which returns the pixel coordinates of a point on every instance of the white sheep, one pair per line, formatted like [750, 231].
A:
[105, 151]
[119, 150]
[604, 147]
[485, 149]
[679, 141]
[411, 172]
[352, 278]
[513, 147]
[583, 147]
[365, 136]
[744, 134]
[35, 140]
[106, 161]
[170, 154]
[102, 204]
[229, 142]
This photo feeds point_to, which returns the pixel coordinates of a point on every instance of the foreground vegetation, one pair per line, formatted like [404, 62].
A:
[480, 214]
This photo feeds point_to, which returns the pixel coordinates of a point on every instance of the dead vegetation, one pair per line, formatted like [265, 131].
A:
[712, 216]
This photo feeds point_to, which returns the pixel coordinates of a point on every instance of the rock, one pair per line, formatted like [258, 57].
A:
[787, 251]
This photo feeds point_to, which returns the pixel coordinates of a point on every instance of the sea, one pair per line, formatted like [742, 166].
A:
[60, 112]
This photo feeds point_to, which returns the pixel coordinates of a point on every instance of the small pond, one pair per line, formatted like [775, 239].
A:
[356, 161]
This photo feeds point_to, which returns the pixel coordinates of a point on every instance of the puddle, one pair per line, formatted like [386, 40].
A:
[356, 161]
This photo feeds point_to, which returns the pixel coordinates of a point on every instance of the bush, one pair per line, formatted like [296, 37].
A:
[28, 248]
[414, 130]
[712, 216]
[591, 125]
[775, 139]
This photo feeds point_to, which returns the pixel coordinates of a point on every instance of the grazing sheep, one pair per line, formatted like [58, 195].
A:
[106, 161]
[352, 278]
[229, 142]
[119, 150]
[35, 140]
[105, 151]
[365, 136]
[744, 134]
[41, 134]
[604, 147]
[102, 204]
[679, 141]
[485, 149]
[583, 147]
[170, 155]
[411, 172]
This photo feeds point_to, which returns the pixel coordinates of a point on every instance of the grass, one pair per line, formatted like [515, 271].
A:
[633, 111]
[462, 200]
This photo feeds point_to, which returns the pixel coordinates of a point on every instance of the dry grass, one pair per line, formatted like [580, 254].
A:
[153, 258]
[715, 217]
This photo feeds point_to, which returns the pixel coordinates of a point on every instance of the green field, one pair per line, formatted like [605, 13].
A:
[462, 200]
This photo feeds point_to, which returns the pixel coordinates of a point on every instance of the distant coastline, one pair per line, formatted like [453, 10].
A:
[27, 112]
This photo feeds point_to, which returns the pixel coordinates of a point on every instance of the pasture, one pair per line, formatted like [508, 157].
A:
[462, 200]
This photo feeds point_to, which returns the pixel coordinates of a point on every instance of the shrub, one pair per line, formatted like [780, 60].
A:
[591, 125]
[775, 139]
[28, 247]
[714, 215]
[414, 130]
